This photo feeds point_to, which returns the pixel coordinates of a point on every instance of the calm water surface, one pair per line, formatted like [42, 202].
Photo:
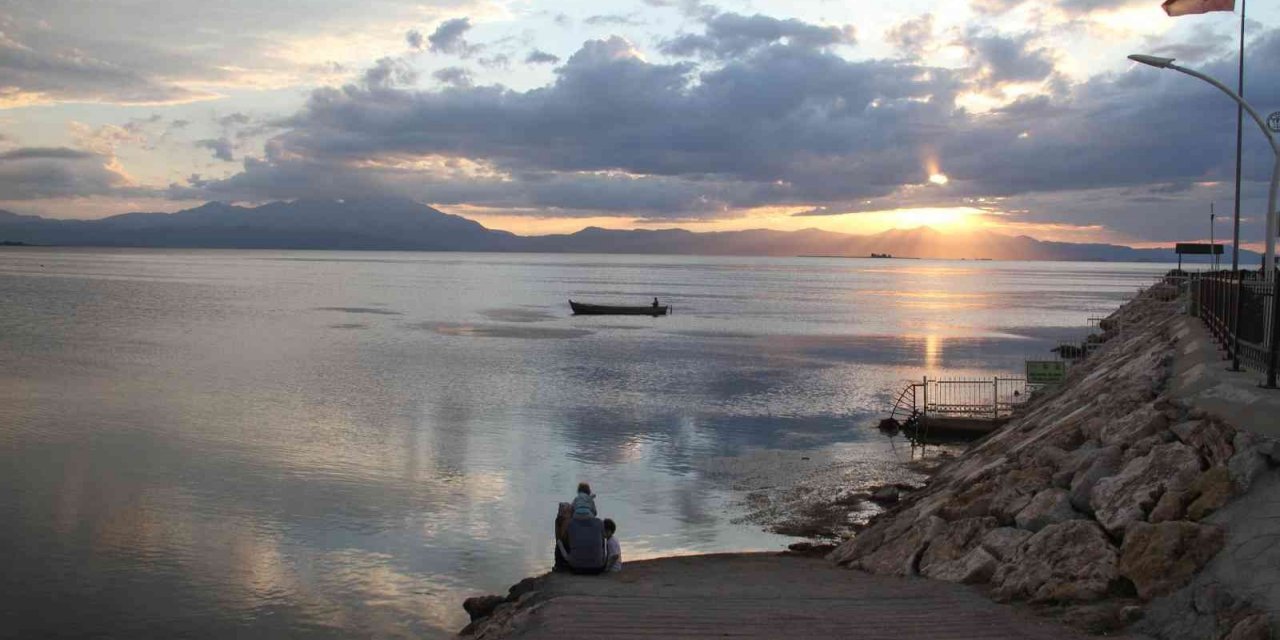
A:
[259, 444]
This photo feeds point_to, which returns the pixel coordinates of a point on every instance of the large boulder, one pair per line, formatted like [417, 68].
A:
[1072, 561]
[1128, 496]
[899, 555]
[1015, 491]
[1159, 558]
[1005, 542]
[1134, 426]
[947, 556]
[1104, 463]
[1210, 492]
[1248, 460]
[1210, 437]
[1050, 506]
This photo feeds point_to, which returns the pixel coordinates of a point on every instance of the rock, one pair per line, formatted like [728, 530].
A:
[1050, 506]
[885, 495]
[899, 555]
[1102, 618]
[1142, 447]
[1210, 437]
[810, 548]
[1160, 558]
[1247, 462]
[1126, 497]
[1134, 426]
[1171, 506]
[1071, 561]
[975, 567]
[862, 544]
[1271, 449]
[1131, 614]
[1106, 462]
[1015, 491]
[1004, 542]
[954, 541]
[481, 606]
[1210, 492]
[1255, 627]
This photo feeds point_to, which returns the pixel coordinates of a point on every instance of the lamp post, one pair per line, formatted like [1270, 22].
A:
[1269, 265]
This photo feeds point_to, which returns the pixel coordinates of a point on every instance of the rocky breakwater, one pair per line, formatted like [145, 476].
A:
[1098, 500]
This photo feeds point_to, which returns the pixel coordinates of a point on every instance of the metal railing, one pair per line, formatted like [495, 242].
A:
[980, 398]
[1239, 309]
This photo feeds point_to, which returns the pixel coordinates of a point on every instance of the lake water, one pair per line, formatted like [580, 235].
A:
[263, 443]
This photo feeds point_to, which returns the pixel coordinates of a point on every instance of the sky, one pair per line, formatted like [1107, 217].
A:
[1020, 116]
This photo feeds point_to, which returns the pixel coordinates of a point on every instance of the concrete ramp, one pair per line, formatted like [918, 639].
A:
[764, 596]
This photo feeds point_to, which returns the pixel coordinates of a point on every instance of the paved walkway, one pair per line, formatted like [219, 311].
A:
[1200, 376]
[769, 596]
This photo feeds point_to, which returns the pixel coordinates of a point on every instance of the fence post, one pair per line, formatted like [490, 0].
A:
[1275, 332]
[1235, 321]
[995, 397]
[925, 410]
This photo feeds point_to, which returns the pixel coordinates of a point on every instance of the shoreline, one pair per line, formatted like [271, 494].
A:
[1126, 499]
[758, 595]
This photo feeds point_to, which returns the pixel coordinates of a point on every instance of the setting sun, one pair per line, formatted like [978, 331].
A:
[939, 178]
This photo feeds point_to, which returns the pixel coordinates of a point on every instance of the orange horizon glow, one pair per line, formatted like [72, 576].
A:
[955, 220]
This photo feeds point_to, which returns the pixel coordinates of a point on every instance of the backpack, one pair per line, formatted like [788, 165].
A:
[586, 545]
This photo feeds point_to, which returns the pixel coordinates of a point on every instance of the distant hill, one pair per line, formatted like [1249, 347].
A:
[402, 224]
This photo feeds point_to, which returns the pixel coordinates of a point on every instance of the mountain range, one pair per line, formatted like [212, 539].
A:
[401, 224]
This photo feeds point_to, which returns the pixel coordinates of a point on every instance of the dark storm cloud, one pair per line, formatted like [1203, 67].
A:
[541, 57]
[448, 38]
[732, 34]
[32, 172]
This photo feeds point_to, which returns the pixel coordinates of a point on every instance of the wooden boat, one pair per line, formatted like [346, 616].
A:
[582, 309]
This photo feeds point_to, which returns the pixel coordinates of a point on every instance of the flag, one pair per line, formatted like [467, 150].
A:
[1188, 7]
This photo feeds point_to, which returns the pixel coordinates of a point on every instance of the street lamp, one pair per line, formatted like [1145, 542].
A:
[1269, 265]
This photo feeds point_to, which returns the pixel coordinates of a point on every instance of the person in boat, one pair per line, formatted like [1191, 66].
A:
[655, 303]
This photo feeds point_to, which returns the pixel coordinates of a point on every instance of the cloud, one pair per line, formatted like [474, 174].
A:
[415, 39]
[30, 173]
[456, 76]
[541, 57]
[731, 35]
[448, 38]
[46, 153]
[115, 52]
[33, 75]
[104, 140]
[912, 36]
[629, 20]
[786, 124]
[221, 147]
[999, 59]
[389, 72]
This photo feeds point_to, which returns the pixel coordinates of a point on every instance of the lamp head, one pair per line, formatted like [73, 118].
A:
[1154, 61]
